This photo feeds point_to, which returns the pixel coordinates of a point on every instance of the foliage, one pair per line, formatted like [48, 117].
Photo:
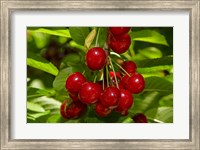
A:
[55, 52]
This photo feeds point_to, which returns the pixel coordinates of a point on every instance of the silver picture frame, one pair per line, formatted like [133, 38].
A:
[8, 7]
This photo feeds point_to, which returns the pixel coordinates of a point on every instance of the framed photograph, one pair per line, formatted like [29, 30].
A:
[100, 74]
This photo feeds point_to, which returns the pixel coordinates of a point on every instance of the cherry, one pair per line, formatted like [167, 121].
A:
[124, 80]
[96, 58]
[101, 110]
[63, 108]
[75, 110]
[110, 97]
[125, 100]
[135, 83]
[112, 75]
[129, 66]
[74, 82]
[119, 30]
[90, 92]
[120, 44]
[140, 118]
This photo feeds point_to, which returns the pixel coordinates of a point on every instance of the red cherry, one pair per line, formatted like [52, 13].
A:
[129, 66]
[96, 58]
[124, 80]
[75, 110]
[63, 108]
[135, 83]
[125, 100]
[119, 30]
[140, 118]
[112, 75]
[74, 82]
[110, 97]
[101, 110]
[120, 44]
[90, 92]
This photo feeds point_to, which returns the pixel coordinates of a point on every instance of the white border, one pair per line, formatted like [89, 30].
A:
[177, 130]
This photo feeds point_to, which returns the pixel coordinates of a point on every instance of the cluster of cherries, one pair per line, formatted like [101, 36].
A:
[115, 94]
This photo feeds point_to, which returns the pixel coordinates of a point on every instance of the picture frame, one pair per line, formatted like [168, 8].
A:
[9, 7]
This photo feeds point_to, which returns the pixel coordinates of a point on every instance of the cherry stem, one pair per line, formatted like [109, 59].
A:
[114, 72]
[97, 38]
[122, 69]
[107, 75]
[103, 78]
[95, 78]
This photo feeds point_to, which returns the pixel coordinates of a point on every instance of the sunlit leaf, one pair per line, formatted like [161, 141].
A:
[34, 92]
[54, 118]
[164, 114]
[158, 84]
[151, 52]
[56, 32]
[150, 36]
[37, 115]
[35, 107]
[89, 39]
[40, 63]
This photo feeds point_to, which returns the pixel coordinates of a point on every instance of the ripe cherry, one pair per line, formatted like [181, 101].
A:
[63, 108]
[129, 66]
[74, 82]
[119, 30]
[75, 110]
[96, 58]
[125, 100]
[135, 83]
[140, 118]
[112, 75]
[110, 97]
[120, 44]
[124, 80]
[101, 110]
[90, 92]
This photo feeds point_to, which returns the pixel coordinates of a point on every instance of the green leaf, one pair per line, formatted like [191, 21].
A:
[158, 84]
[34, 92]
[59, 82]
[56, 32]
[150, 36]
[37, 115]
[41, 39]
[163, 114]
[168, 60]
[153, 69]
[151, 52]
[35, 107]
[70, 60]
[89, 39]
[128, 120]
[141, 103]
[79, 34]
[36, 61]
[166, 100]
[54, 118]
[47, 103]
[102, 36]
